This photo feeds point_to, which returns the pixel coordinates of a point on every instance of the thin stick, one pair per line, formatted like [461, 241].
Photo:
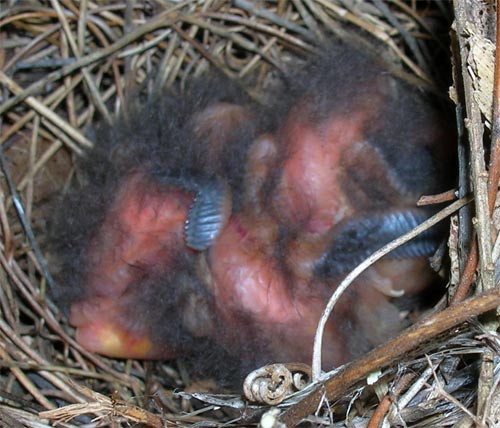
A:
[377, 255]
[47, 113]
[384, 405]
[25, 222]
[160, 21]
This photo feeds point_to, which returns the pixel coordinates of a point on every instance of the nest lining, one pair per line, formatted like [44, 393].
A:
[66, 65]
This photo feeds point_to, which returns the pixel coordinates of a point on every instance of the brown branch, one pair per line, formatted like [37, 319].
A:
[384, 406]
[494, 169]
[439, 198]
[467, 274]
[386, 354]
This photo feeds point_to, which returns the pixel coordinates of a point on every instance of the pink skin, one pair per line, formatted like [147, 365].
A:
[255, 296]
[217, 124]
[249, 285]
[309, 193]
[248, 281]
[143, 225]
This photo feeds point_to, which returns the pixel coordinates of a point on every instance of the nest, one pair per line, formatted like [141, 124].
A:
[66, 64]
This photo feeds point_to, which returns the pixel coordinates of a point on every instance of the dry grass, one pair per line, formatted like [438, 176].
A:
[66, 63]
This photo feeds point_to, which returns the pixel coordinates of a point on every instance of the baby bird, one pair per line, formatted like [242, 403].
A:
[130, 281]
[213, 222]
